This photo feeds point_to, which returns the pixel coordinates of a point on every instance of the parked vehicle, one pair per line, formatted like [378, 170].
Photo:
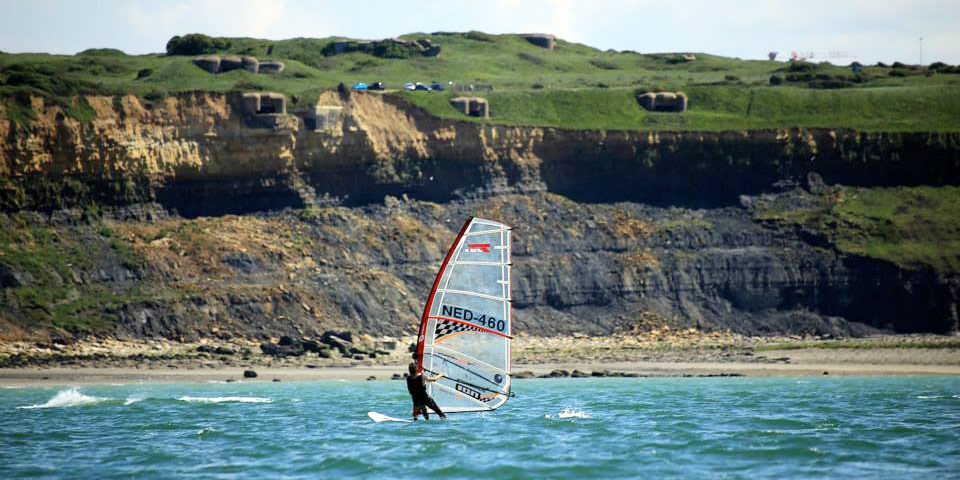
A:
[409, 86]
[360, 86]
[420, 86]
[436, 86]
[376, 86]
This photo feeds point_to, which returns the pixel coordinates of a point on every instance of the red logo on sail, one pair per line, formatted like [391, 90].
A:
[478, 248]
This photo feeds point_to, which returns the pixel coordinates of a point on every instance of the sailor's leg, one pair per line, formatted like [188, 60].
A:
[433, 405]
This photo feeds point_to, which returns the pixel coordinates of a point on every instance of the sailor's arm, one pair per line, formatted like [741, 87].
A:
[432, 378]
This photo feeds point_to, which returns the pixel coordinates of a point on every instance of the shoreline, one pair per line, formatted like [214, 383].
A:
[654, 354]
[87, 376]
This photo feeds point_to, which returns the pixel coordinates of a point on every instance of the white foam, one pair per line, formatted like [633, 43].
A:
[570, 412]
[225, 399]
[68, 398]
[132, 400]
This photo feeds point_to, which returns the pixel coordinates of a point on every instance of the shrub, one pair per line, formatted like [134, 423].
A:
[363, 64]
[247, 85]
[103, 52]
[596, 62]
[155, 95]
[531, 58]
[479, 36]
[392, 50]
[537, 86]
[45, 81]
[799, 77]
[195, 44]
[776, 80]
[801, 67]
[731, 78]
[144, 73]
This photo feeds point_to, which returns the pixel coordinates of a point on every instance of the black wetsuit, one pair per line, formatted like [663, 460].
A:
[418, 391]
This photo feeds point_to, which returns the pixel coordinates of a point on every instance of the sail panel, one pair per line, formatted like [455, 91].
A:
[466, 325]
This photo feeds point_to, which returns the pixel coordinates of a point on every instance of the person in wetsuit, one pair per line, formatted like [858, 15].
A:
[417, 386]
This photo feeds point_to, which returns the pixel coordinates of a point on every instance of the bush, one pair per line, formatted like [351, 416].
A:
[103, 52]
[537, 86]
[531, 58]
[799, 77]
[731, 78]
[835, 82]
[195, 44]
[596, 62]
[45, 81]
[801, 67]
[247, 85]
[392, 50]
[776, 80]
[144, 73]
[155, 95]
[479, 36]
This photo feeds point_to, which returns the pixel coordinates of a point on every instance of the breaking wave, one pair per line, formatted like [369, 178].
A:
[225, 399]
[68, 398]
[570, 412]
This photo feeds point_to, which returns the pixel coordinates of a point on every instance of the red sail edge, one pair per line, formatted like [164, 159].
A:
[436, 284]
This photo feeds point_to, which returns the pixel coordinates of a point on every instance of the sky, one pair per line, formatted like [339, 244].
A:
[839, 31]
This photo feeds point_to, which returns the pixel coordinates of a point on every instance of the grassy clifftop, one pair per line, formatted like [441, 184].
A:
[572, 86]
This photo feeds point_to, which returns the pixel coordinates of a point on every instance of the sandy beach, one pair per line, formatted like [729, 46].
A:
[678, 354]
[799, 363]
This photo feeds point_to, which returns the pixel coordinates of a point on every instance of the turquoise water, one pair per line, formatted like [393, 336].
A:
[905, 427]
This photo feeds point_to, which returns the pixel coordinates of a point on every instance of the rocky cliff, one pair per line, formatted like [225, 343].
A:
[343, 226]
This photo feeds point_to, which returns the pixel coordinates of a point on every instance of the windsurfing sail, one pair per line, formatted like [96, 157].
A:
[465, 327]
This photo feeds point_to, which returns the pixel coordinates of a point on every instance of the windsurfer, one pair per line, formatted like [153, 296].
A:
[417, 386]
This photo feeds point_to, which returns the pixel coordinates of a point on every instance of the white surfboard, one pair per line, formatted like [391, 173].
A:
[379, 417]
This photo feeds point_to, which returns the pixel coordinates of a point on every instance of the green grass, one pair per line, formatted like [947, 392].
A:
[863, 344]
[913, 227]
[574, 86]
[924, 108]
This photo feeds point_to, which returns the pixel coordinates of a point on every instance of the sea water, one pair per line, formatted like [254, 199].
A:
[777, 428]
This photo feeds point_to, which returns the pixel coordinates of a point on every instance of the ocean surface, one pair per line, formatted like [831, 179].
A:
[756, 428]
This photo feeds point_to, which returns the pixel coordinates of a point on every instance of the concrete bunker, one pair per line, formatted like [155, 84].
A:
[322, 118]
[544, 40]
[226, 63]
[663, 101]
[264, 109]
[472, 106]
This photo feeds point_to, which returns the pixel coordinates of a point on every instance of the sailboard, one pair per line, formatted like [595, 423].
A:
[379, 417]
[465, 329]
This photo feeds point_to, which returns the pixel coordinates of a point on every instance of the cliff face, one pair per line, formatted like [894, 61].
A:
[199, 145]
[611, 227]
